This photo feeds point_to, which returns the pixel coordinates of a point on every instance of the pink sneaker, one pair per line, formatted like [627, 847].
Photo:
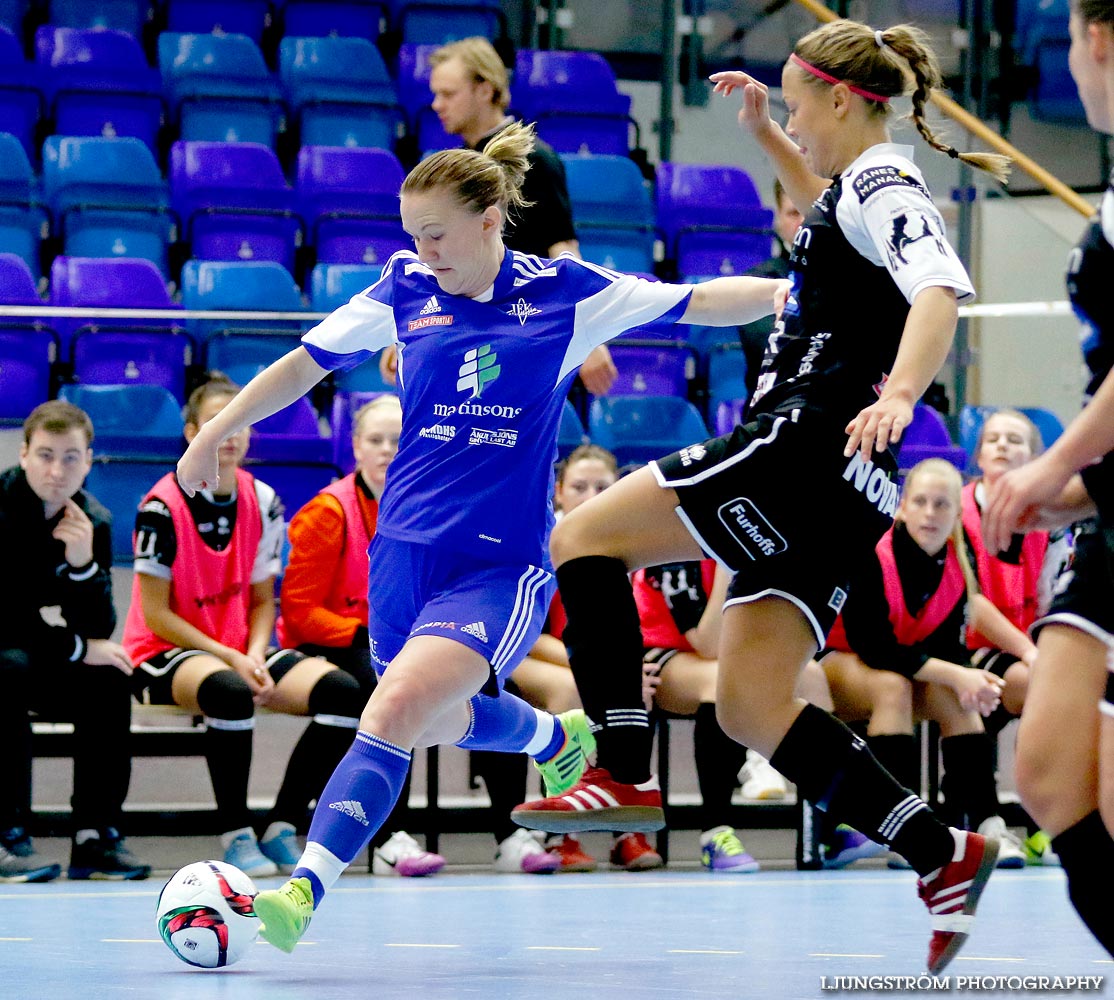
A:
[401, 855]
[596, 802]
[952, 893]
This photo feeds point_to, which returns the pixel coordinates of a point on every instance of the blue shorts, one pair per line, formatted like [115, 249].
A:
[497, 609]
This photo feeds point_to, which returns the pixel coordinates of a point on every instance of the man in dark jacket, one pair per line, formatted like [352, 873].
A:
[55, 653]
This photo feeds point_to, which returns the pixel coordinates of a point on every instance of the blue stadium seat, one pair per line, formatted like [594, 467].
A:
[220, 89]
[107, 197]
[131, 421]
[711, 219]
[28, 348]
[296, 483]
[642, 428]
[612, 210]
[728, 414]
[727, 373]
[349, 200]
[971, 419]
[291, 435]
[223, 17]
[340, 92]
[23, 218]
[332, 285]
[239, 285]
[12, 13]
[118, 15]
[27, 357]
[97, 82]
[243, 354]
[416, 99]
[112, 282]
[1050, 425]
[927, 437]
[21, 100]
[345, 406]
[574, 99]
[363, 378]
[233, 202]
[436, 22]
[121, 484]
[652, 368]
[570, 431]
[341, 18]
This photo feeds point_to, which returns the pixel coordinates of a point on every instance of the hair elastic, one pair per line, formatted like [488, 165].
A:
[879, 41]
[828, 78]
[953, 152]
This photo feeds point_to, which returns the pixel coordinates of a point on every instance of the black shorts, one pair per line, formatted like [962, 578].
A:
[657, 657]
[1083, 593]
[777, 503]
[153, 679]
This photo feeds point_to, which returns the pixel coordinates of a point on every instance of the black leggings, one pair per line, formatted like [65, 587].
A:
[97, 700]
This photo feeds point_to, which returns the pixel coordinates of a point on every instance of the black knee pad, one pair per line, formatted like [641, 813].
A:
[337, 693]
[224, 694]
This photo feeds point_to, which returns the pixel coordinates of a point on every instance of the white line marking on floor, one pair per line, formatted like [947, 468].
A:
[401, 944]
[557, 947]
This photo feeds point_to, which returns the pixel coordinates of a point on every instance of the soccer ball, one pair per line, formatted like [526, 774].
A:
[206, 914]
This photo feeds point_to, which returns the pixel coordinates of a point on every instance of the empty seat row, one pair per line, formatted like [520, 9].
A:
[231, 201]
[335, 91]
[414, 20]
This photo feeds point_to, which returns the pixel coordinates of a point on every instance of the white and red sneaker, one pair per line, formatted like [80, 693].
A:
[596, 802]
[952, 893]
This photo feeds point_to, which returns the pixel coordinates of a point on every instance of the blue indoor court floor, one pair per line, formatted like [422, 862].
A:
[665, 934]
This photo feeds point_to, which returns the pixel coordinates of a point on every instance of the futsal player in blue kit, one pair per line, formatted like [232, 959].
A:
[488, 342]
[1065, 742]
[794, 498]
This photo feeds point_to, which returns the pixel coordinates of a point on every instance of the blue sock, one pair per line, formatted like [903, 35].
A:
[512, 725]
[358, 798]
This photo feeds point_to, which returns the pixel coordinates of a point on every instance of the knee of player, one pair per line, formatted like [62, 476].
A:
[892, 692]
[225, 695]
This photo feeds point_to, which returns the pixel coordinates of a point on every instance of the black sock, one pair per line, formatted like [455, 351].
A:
[1087, 854]
[504, 776]
[604, 641]
[225, 700]
[969, 768]
[834, 768]
[899, 754]
[718, 762]
[337, 699]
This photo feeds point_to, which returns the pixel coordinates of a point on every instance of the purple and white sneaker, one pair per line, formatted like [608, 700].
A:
[401, 855]
[848, 845]
[722, 851]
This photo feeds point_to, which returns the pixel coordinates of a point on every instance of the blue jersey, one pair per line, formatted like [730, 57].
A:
[482, 384]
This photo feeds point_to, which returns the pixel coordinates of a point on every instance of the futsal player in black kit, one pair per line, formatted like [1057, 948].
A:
[1065, 743]
[791, 500]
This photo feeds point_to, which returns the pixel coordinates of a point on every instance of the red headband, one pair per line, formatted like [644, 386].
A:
[828, 78]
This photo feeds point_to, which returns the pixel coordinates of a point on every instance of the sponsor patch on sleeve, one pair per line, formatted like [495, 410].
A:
[874, 179]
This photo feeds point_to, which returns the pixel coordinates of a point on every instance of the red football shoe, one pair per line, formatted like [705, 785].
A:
[953, 893]
[596, 802]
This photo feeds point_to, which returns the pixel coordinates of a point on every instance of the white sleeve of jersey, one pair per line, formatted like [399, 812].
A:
[886, 214]
[625, 302]
[1057, 558]
[268, 558]
[363, 324]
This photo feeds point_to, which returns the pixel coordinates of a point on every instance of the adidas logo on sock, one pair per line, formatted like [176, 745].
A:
[431, 307]
[350, 807]
[477, 629]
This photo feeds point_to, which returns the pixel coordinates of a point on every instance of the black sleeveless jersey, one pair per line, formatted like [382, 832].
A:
[868, 245]
[1090, 268]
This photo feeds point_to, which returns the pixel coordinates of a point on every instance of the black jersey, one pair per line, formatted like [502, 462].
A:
[1090, 267]
[869, 244]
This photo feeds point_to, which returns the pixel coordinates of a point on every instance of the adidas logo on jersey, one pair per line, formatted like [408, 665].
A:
[431, 307]
[350, 807]
[477, 629]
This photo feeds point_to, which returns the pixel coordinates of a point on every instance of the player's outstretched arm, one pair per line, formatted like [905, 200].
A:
[288, 379]
[925, 342]
[735, 301]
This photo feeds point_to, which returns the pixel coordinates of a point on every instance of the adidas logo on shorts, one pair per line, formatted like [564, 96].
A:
[431, 307]
[350, 807]
[477, 629]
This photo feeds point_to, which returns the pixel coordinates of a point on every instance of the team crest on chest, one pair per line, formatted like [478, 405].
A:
[522, 311]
